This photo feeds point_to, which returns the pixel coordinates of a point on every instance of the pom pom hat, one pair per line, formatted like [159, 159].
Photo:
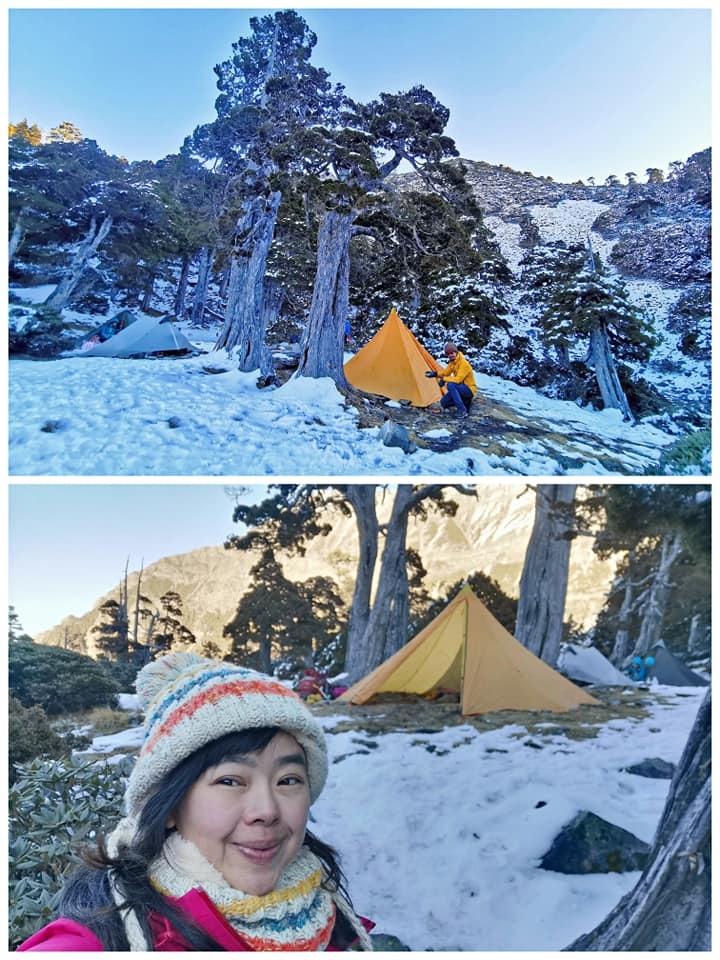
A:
[190, 701]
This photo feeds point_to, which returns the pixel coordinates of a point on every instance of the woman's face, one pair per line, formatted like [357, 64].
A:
[247, 815]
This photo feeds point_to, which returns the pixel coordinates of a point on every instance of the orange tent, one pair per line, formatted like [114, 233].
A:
[467, 651]
[393, 365]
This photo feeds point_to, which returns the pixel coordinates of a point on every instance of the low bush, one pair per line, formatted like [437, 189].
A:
[55, 808]
[30, 735]
[58, 680]
[689, 455]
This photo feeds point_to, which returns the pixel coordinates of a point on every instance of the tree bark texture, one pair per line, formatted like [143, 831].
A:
[85, 250]
[179, 308]
[201, 287]
[16, 237]
[244, 329]
[606, 373]
[543, 582]
[321, 350]
[670, 907]
[361, 497]
[657, 595]
[385, 632]
[621, 646]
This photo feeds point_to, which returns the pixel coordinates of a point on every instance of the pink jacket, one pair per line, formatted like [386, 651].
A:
[68, 935]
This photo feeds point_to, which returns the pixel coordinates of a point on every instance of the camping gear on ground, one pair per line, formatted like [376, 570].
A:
[465, 650]
[311, 684]
[142, 335]
[667, 668]
[393, 365]
[589, 665]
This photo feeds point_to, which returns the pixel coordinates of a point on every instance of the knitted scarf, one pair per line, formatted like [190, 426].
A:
[298, 915]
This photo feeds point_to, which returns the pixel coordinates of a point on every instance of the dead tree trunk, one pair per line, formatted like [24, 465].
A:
[653, 612]
[17, 235]
[606, 375]
[321, 350]
[244, 330]
[362, 499]
[543, 582]
[85, 250]
[621, 646]
[201, 287]
[670, 907]
[179, 308]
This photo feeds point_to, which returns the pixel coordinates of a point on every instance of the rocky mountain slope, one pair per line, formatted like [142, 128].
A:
[489, 534]
[655, 236]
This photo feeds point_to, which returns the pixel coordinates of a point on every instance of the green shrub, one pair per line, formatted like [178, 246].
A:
[55, 808]
[30, 735]
[689, 455]
[58, 680]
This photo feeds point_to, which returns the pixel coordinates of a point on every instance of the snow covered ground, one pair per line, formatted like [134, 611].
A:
[441, 833]
[98, 416]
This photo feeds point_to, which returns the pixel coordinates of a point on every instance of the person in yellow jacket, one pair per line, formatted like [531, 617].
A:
[459, 380]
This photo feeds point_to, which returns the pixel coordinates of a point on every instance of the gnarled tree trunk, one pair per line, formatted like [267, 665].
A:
[179, 305]
[657, 595]
[85, 250]
[386, 631]
[321, 350]
[201, 287]
[16, 237]
[543, 582]
[244, 330]
[670, 908]
[606, 373]
[362, 499]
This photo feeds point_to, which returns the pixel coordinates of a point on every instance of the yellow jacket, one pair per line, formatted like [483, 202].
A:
[460, 371]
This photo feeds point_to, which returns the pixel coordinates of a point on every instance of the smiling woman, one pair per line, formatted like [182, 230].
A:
[214, 853]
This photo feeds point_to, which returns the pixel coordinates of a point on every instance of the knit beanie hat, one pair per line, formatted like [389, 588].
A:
[189, 701]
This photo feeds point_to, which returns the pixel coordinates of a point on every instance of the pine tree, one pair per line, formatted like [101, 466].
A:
[586, 307]
[32, 135]
[65, 132]
[170, 633]
[281, 625]
[269, 94]
[663, 582]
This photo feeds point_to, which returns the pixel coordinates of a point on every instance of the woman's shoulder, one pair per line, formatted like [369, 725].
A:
[62, 935]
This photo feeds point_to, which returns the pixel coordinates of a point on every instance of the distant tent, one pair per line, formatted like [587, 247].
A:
[393, 364]
[465, 650]
[666, 668]
[107, 329]
[588, 665]
[143, 335]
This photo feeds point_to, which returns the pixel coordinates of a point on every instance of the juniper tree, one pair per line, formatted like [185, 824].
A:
[374, 139]
[586, 308]
[269, 94]
[662, 533]
[291, 516]
[280, 624]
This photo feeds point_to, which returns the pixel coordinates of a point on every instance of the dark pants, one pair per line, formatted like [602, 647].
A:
[457, 395]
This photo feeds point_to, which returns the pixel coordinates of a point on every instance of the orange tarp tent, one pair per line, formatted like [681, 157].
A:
[393, 365]
[467, 651]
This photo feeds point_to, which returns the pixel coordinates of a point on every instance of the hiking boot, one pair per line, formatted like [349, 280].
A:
[461, 414]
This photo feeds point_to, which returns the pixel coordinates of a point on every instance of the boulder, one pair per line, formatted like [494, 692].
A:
[589, 844]
[654, 767]
[394, 435]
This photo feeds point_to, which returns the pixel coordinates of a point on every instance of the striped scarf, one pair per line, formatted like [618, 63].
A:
[298, 915]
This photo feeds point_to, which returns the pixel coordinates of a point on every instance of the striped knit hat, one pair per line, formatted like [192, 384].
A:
[190, 701]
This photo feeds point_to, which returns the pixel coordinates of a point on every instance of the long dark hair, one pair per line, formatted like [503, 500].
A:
[87, 896]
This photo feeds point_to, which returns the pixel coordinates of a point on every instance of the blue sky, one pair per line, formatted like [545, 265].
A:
[566, 93]
[68, 543]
